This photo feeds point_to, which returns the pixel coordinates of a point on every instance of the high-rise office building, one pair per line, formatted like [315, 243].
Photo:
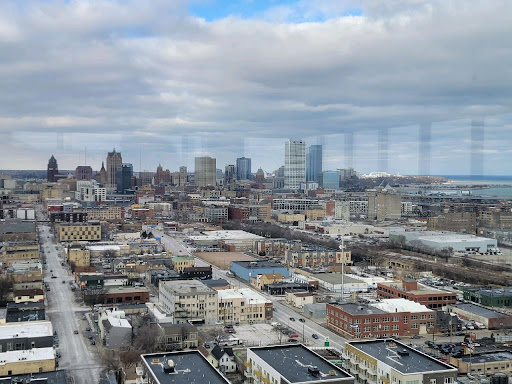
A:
[294, 164]
[243, 168]
[161, 176]
[114, 161]
[205, 171]
[331, 179]
[314, 163]
[52, 170]
[229, 174]
[124, 177]
[83, 172]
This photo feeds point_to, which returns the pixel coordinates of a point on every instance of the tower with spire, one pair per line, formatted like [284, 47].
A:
[101, 176]
[52, 170]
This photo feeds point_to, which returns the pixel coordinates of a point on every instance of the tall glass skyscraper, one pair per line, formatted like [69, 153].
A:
[314, 163]
[294, 164]
[243, 168]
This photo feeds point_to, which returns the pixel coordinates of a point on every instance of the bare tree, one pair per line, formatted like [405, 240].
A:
[148, 338]
[5, 289]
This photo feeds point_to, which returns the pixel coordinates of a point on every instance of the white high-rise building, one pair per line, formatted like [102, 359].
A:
[294, 164]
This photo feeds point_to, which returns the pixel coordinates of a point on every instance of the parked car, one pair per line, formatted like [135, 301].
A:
[302, 320]
[88, 329]
[292, 318]
[93, 342]
[460, 334]
[416, 337]
[314, 336]
[290, 340]
[293, 335]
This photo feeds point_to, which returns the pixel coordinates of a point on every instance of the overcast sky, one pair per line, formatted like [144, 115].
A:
[164, 81]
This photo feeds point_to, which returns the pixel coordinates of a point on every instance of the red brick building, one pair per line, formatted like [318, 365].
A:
[408, 289]
[394, 317]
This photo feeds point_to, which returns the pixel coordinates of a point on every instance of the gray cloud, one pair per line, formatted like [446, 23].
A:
[135, 74]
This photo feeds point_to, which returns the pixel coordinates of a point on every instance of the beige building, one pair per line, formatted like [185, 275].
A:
[19, 251]
[205, 171]
[315, 214]
[181, 262]
[33, 360]
[243, 306]
[266, 278]
[112, 212]
[90, 231]
[290, 218]
[383, 204]
[28, 296]
[188, 300]
[78, 256]
[484, 363]
[299, 299]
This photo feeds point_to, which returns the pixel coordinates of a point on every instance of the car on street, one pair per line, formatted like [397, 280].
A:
[315, 336]
[302, 320]
[460, 334]
[57, 354]
[416, 337]
[90, 337]
[88, 329]
[63, 282]
[290, 340]
[93, 342]
[54, 277]
[293, 335]
[292, 318]
[75, 332]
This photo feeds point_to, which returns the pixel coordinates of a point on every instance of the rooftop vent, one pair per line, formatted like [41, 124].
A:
[314, 371]
[168, 366]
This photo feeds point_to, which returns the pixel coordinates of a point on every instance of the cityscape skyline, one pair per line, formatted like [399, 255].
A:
[351, 76]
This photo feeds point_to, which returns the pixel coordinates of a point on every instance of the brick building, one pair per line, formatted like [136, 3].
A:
[409, 289]
[390, 317]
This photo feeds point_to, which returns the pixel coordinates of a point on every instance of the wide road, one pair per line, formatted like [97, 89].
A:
[282, 312]
[77, 355]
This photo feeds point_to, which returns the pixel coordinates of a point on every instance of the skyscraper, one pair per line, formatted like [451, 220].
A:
[294, 164]
[124, 177]
[205, 171]
[314, 163]
[229, 174]
[83, 172]
[243, 168]
[114, 161]
[52, 170]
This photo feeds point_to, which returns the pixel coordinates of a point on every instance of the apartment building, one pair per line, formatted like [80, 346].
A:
[182, 262]
[111, 212]
[78, 255]
[295, 204]
[243, 306]
[90, 231]
[387, 361]
[189, 300]
[389, 317]
[15, 251]
[410, 290]
[311, 255]
[384, 205]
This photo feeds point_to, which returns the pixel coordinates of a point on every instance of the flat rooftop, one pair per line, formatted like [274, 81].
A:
[388, 350]
[227, 235]
[126, 289]
[488, 357]
[292, 362]
[34, 354]
[55, 377]
[401, 305]
[187, 286]
[259, 264]
[504, 292]
[335, 278]
[190, 367]
[480, 311]
[26, 329]
[360, 309]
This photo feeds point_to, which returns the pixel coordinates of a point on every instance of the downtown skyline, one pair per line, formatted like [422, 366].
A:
[132, 75]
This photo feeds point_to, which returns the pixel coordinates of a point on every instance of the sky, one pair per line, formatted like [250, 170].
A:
[164, 81]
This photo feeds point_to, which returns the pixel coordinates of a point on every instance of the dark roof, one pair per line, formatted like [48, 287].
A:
[259, 264]
[480, 311]
[190, 367]
[391, 352]
[25, 306]
[55, 377]
[28, 292]
[216, 283]
[17, 226]
[218, 352]
[360, 309]
[293, 362]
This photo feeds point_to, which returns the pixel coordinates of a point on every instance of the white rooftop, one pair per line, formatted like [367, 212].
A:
[34, 354]
[252, 296]
[400, 305]
[116, 322]
[26, 329]
[227, 235]
[104, 247]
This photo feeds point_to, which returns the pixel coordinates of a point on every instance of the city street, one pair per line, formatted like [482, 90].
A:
[77, 355]
[282, 313]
